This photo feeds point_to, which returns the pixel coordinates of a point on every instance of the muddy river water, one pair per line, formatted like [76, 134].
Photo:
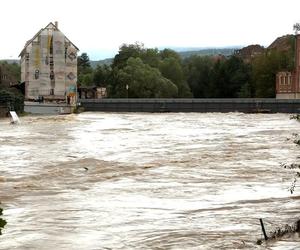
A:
[147, 181]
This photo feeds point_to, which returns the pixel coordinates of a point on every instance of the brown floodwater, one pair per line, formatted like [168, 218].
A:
[147, 181]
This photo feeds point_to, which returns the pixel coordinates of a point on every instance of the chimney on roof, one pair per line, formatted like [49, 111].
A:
[56, 24]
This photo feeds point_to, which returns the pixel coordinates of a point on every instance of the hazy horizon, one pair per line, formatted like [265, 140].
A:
[101, 27]
[102, 55]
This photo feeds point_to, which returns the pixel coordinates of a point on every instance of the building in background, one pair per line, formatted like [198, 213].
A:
[92, 92]
[49, 67]
[288, 83]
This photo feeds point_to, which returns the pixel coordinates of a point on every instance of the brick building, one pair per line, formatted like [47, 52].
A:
[288, 83]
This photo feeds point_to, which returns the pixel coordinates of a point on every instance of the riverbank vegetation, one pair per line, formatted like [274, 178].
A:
[140, 72]
[2, 221]
[294, 167]
[10, 98]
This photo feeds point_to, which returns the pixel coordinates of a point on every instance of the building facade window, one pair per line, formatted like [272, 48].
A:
[52, 75]
[36, 74]
[281, 80]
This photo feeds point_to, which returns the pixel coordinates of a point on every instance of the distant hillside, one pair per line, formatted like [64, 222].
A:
[283, 43]
[10, 61]
[107, 61]
[184, 53]
[208, 52]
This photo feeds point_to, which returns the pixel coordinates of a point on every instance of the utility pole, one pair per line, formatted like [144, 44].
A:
[127, 90]
[263, 229]
[296, 28]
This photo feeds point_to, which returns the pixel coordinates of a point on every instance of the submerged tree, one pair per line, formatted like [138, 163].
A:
[295, 167]
[2, 221]
[139, 80]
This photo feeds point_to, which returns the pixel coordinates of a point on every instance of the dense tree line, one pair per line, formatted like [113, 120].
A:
[140, 72]
[10, 96]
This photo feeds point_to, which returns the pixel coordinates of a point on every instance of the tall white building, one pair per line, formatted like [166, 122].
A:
[49, 67]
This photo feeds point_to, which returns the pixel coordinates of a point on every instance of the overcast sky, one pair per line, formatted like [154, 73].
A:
[99, 27]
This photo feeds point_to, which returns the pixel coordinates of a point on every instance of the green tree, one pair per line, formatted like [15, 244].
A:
[171, 69]
[246, 91]
[238, 77]
[143, 81]
[12, 99]
[167, 62]
[83, 61]
[86, 79]
[125, 52]
[265, 68]
[209, 77]
[169, 53]
[84, 70]
[150, 57]
[198, 73]
[102, 75]
[218, 80]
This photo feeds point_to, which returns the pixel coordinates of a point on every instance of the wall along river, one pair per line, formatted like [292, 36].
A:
[147, 181]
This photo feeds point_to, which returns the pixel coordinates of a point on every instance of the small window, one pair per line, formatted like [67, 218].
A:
[66, 52]
[286, 80]
[36, 74]
[52, 75]
[281, 79]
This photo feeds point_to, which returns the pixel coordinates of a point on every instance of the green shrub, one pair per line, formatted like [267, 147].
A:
[13, 101]
[2, 222]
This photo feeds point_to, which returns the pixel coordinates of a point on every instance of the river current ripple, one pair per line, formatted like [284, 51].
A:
[147, 181]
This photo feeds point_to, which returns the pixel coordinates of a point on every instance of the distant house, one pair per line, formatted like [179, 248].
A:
[288, 83]
[49, 67]
[92, 92]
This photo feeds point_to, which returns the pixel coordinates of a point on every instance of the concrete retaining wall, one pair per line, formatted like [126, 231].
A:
[46, 108]
[192, 105]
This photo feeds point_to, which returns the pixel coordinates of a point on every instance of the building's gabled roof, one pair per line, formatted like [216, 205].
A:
[37, 34]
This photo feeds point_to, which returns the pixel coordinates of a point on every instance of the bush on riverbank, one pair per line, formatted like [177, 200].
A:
[2, 221]
[294, 167]
[11, 100]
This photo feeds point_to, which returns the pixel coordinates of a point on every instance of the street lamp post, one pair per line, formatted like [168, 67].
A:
[127, 88]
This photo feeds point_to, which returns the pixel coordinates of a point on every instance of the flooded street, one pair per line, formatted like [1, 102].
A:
[147, 181]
